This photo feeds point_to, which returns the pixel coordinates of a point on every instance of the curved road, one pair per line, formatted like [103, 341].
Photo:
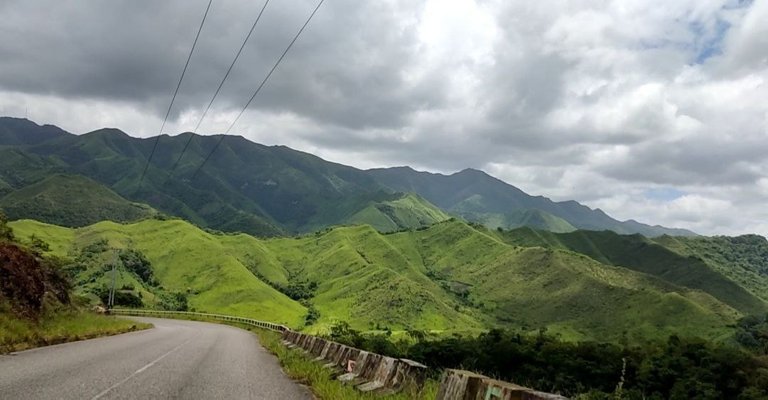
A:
[174, 360]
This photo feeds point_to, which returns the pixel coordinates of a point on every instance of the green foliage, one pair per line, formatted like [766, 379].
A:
[173, 301]
[752, 333]
[135, 262]
[677, 368]
[6, 233]
[312, 315]
[123, 298]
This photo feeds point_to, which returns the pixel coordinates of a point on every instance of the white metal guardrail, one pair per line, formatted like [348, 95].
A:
[219, 317]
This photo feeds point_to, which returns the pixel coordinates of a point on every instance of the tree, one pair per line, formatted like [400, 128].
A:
[6, 233]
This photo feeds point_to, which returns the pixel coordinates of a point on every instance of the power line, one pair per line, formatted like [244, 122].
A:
[274, 67]
[200, 121]
[183, 72]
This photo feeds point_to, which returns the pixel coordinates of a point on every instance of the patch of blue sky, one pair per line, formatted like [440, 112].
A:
[663, 194]
[708, 41]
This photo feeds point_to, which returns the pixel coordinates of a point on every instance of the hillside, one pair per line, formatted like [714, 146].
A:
[37, 306]
[403, 212]
[480, 197]
[643, 255]
[274, 190]
[184, 260]
[449, 276]
[743, 259]
[71, 200]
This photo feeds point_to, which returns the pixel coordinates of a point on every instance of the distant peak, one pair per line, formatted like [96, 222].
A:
[107, 131]
[470, 171]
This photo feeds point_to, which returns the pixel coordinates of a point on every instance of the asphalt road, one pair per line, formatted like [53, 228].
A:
[174, 360]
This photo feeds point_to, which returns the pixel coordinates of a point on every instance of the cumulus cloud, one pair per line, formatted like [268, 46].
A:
[606, 102]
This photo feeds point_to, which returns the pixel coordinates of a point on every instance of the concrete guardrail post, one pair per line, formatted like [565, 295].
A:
[465, 385]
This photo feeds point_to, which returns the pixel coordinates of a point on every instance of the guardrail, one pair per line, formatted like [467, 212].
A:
[218, 317]
[465, 385]
[367, 371]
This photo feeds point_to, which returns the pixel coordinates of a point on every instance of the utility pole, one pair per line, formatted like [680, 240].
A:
[111, 299]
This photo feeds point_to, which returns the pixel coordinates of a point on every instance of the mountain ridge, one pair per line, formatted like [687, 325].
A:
[274, 190]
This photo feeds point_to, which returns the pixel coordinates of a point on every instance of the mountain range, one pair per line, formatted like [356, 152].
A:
[261, 190]
[277, 234]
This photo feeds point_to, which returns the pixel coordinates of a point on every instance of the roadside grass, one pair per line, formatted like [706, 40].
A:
[61, 327]
[302, 368]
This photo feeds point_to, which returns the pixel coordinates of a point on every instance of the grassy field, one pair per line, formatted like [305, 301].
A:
[66, 326]
[450, 277]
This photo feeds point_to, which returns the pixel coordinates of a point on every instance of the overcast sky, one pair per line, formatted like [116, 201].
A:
[650, 110]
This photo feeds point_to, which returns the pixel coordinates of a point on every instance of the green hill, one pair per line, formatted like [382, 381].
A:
[71, 200]
[184, 259]
[449, 276]
[531, 218]
[644, 255]
[404, 211]
[743, 259]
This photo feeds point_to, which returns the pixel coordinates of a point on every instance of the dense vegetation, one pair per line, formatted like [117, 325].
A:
[744, 259]
[677, 368]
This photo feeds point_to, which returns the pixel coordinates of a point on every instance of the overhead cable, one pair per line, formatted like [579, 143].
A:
[218, 89]
[178, 85]
[258, 89]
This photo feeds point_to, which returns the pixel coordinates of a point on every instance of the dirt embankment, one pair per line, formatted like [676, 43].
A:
[27, 281]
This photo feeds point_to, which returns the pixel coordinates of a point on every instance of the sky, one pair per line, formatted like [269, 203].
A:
[654, 110]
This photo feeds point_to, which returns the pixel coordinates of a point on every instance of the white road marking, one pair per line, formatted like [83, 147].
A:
[138, 371]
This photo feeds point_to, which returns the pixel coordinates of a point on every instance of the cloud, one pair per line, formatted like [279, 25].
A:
[601, 102]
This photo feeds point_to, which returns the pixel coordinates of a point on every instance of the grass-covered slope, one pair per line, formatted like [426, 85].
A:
[529, 218]
[567, 292]
[185, 259]
[492, 282]
[404, 212]
[644, 255]
[450, 276]
[71, 200]
[364, 279]
[744, 259]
